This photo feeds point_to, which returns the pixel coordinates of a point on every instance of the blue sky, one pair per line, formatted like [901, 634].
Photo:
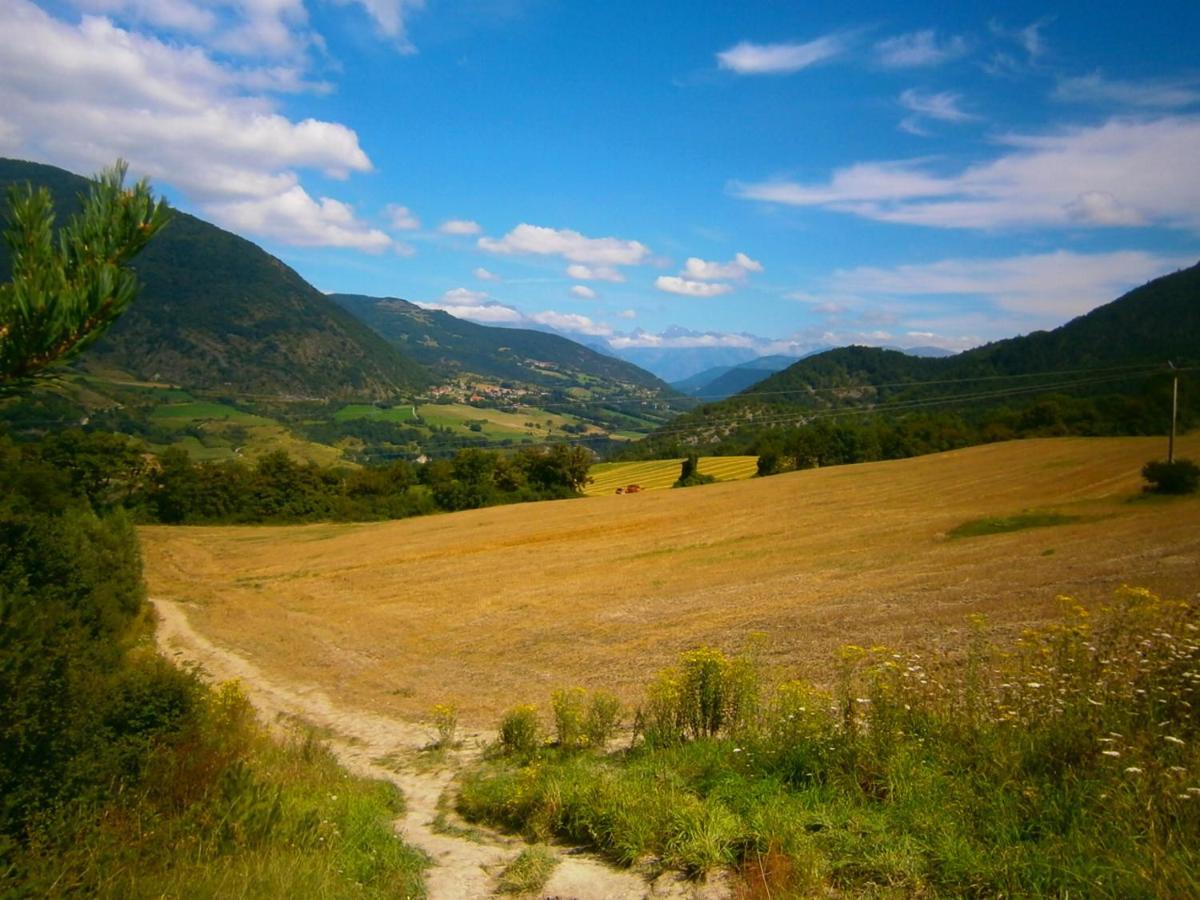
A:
[761, 175]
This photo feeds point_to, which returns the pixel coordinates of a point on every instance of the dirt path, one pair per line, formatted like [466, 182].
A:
[463, 868]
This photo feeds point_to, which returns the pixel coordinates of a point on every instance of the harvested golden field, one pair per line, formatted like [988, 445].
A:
[660, 474]
[495, 606]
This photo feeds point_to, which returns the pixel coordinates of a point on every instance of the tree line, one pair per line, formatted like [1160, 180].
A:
[108, 471]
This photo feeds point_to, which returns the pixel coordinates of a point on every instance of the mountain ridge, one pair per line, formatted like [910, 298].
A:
[217, 312]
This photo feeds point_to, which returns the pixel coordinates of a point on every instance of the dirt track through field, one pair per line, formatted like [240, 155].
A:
[462, 869]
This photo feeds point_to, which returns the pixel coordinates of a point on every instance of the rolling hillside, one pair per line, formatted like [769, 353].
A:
[451, 346]
[490, 605]
[1117, 354]
[216, 312]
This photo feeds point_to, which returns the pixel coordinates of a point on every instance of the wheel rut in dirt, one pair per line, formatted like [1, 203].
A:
[380, 747]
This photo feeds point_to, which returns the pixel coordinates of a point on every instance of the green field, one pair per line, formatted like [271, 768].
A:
[356, 411]
[203, 411]
[658, 474]
[529, 422]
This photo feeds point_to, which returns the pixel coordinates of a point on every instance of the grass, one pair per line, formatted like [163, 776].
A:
[355, 411]
[1003, 524]
[229, 811]
[527, 422]
[1063, 763]
[488, 604]
[203, 411]
[660, 474]
[528, 872]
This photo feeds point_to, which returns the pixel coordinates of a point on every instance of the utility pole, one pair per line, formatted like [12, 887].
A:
[1174, 411]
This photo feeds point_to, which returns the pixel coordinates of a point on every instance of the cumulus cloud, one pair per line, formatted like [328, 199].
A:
[747, 58]
[1097, 89]
[401, 218]
[687, 287]
[459, 226]
[1119, 173]
[583, 292]
[571, 322]
[81, 95]
[919, 49]
[484, 275]
[570, 245]
[739, 267]
[464, 303]
[1045, 288]
[580, 272]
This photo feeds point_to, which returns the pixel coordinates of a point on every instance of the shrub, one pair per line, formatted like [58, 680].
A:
[520, 730]
[569, 716]
[1179, 477]
[603, 718]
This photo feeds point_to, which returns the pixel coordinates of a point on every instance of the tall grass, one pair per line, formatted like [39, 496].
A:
[1065, 763]
[222, 809]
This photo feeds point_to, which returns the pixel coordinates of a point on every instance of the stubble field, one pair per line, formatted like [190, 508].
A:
[492, 607]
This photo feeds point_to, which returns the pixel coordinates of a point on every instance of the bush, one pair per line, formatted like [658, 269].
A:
[1179, 477]
[569, 716]
[520, 730]
[603, 717]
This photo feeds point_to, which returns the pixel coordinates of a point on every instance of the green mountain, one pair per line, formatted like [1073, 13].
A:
[1107, 371]
[1148, 326]
[218, 313]
[725, 381]
[450, 347]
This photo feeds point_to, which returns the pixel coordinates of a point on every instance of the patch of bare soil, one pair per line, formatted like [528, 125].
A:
[466, 860]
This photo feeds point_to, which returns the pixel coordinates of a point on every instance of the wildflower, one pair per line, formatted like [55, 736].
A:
[1133, 770]
[737, 749]
[1173, 739]
[1111, 752]
[1176, 769]
[1034, 684]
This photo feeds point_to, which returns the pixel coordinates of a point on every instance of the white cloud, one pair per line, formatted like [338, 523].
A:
[173, 15]
[627, 314]
[459, 226]
[570, 245]
[687, 287]
[462, 297]
[679, 339]
[583, 292]
[82, 95]
[484, 275]
[747, 58]
[919, 48]
[739, 267]
[1048, 180]
[1095, 88]
[1045, 288]
[401, 218]
[389, 17]
[580, 272]
[943, 106]
[571, 322]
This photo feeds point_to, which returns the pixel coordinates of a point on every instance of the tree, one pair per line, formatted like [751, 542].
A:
[66, 290]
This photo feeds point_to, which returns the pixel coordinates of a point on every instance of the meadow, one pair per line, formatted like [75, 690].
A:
[487, 606]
